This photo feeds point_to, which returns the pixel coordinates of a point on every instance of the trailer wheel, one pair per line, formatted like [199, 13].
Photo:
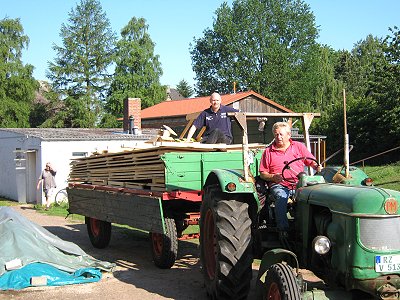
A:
[225, 245]
[165, 246]
[280, 283]
[99, 232]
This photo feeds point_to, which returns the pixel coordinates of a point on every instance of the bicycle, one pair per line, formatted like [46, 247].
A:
[61, 196]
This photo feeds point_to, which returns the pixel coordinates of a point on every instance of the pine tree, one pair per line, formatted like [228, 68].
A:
[184, 89]
[80, 70]
[138, 70]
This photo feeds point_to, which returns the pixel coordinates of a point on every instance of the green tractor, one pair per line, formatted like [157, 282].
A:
[343, 229]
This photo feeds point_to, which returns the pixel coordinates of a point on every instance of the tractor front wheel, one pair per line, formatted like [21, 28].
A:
[99, 232]
[225, 245]
[281, 284]
[165, 246]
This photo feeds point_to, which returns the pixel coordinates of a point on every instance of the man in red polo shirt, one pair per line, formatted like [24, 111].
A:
[274, 158]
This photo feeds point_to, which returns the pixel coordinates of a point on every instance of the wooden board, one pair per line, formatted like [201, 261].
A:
[136, 168]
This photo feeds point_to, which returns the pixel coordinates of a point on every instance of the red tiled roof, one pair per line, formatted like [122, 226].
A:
[191, 105]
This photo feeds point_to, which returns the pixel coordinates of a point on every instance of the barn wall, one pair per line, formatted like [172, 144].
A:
[10, 176]
[254, 104]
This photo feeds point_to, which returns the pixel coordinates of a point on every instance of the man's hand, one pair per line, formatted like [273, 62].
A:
[318, 168]
[276, 178]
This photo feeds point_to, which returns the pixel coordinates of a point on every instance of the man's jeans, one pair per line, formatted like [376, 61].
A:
[281, 194]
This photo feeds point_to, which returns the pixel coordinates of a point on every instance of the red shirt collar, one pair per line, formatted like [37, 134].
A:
[274, 148]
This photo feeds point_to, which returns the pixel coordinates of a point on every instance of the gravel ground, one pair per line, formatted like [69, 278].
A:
[135, 277]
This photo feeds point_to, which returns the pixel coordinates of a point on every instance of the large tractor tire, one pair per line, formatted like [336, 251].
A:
[225, 245]
[165, 246]
[99, 232]
[281, 284]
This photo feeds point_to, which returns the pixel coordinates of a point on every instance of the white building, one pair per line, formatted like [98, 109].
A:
[25, 151]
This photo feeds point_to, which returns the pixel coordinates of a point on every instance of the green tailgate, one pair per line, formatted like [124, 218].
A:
[189, 170]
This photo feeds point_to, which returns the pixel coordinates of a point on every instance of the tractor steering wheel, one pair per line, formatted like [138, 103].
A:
[288, 168]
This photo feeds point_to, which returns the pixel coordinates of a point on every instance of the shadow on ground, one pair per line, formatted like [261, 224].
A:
[130, 250]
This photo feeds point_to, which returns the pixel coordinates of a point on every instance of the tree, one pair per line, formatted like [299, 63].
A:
[138, 70]
[329, 89]
[370, 73]
[386, 92]
[80, 70]
[184, 89]
[46, 107]
[357, 69]
[267, 46]
[17, 86]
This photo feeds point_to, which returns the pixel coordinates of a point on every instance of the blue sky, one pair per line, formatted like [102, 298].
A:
[174, 23]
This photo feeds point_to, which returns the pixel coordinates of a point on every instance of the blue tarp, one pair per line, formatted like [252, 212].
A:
[42, 253]
[21, 278]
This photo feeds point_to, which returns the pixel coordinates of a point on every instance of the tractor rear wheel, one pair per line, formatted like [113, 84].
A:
[99, 232]
[225, 245]
[281, 284]
[165, 246]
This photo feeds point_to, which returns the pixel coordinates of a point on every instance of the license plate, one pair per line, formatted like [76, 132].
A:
[387, 263]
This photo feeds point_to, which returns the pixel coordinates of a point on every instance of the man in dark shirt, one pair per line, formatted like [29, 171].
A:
[218, 124]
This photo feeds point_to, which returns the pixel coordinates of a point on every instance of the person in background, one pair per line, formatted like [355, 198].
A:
[49, 183]
[218, 124]
[273, 159]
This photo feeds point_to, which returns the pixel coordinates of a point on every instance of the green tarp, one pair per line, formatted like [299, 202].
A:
[32, 244]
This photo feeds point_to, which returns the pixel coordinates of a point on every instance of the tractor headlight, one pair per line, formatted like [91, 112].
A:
[321, 244]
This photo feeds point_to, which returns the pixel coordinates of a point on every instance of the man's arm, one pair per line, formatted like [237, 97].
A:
[316, 166]
[192, 130]
[310, 163]
[275, 178]
[38, 184]
[264, 174]
[52, 170]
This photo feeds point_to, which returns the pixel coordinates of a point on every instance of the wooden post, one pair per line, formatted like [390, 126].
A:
[240, 118]
[346, 138]
[306, 120]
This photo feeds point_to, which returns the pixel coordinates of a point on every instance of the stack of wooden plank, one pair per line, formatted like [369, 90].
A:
[137, 168]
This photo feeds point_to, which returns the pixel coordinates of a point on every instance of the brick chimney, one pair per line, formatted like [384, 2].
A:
[132, 107]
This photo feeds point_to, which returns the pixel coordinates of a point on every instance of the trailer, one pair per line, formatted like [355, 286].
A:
[156, 189]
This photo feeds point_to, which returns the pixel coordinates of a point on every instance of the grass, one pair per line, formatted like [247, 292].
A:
[5, 202]
[54, 210]
[387, 176]
[59, 210]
